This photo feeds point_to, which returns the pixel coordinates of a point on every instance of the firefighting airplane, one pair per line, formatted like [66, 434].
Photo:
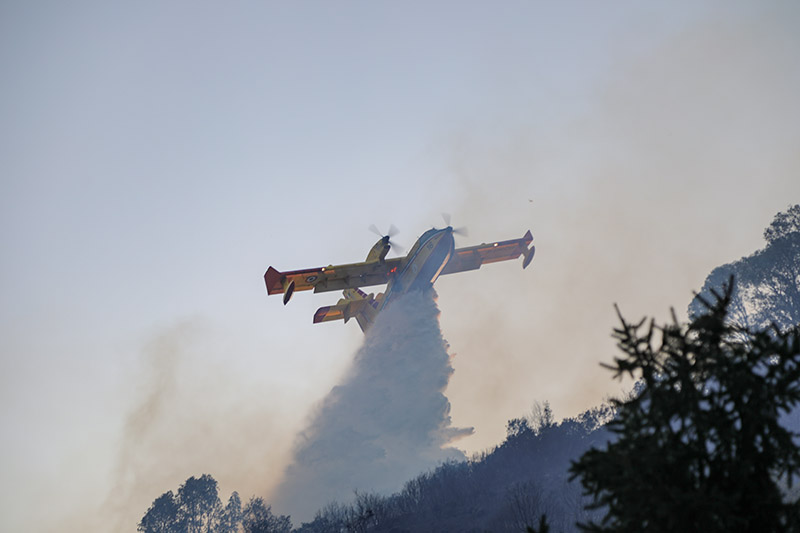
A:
[434, 254]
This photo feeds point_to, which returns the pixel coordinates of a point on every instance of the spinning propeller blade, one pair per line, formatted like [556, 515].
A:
[460, 231]
[391, 233]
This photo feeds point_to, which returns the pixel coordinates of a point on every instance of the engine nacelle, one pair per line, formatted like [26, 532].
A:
[379, 251]
[288, 290]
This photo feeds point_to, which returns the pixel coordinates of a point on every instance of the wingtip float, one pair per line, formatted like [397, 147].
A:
[434, 254]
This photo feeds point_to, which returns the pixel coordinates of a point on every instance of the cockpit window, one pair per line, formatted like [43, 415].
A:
[427, 234]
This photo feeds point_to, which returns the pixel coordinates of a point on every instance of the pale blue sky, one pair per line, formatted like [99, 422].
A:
[155, 159]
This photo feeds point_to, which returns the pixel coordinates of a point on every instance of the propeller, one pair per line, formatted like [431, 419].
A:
[460, 231]
[388, 236]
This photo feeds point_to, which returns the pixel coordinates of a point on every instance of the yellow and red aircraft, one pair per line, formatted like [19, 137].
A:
[434, 254]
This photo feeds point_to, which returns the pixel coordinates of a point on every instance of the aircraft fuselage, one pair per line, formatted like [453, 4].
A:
[424, 263]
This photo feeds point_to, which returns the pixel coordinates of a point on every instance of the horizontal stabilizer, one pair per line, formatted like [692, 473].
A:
[355, 304]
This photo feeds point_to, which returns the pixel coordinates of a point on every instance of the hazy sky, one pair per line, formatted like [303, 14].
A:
[156, 157]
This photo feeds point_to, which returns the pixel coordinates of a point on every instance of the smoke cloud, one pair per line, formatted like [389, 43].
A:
[387, 421]
[188, 419]
[672, 166]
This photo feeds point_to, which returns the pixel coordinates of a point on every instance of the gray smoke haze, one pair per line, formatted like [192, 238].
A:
[386, 422]
[675, 164]
[188, 419]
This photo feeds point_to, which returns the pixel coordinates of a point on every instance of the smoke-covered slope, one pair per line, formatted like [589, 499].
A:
[507, 489]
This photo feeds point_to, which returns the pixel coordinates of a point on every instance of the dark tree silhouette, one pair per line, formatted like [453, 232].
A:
[195, 509]
[543, 526]
[199, 504]
[232, 515]
[258, 518]
[700, 447]
[162, 517]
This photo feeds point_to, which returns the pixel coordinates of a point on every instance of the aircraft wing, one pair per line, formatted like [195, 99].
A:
[331, 278]
[472, 257]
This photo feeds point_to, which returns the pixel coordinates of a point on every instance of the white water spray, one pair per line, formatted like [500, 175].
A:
[386, 422]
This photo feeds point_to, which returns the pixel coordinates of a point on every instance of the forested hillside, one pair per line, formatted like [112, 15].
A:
[505, 489]
[502, 490]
